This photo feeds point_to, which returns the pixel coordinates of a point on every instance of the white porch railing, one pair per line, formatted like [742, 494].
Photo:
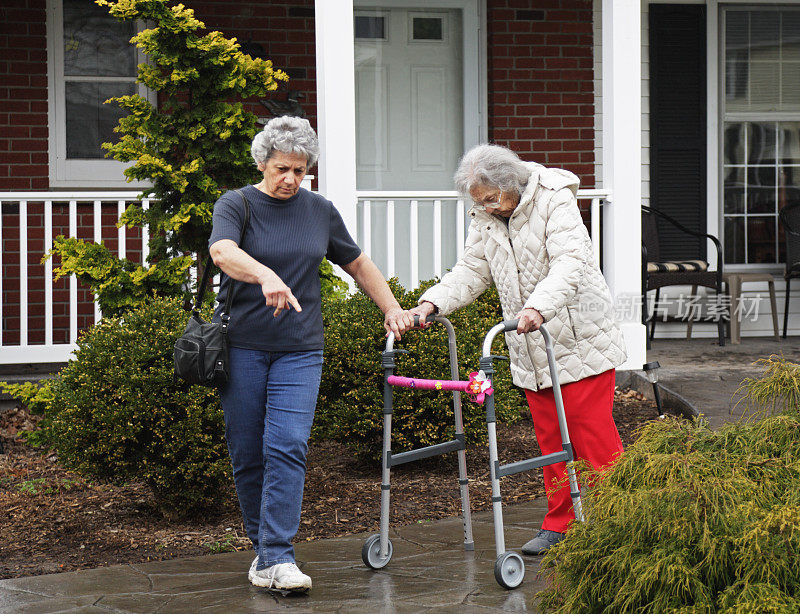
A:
[416, 235]
[412, 235]
[29, 208]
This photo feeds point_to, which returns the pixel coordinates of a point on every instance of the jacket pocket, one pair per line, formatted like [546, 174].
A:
[572, 332]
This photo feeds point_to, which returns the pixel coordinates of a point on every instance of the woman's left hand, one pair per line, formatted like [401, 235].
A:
[398, 321]
[529, 319]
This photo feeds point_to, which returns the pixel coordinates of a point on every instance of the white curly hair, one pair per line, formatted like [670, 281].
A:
[287, 134]
[491, 165]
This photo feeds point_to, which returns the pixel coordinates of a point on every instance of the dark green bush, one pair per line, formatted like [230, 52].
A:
[115, 413]
[694, 520]
[350, 407]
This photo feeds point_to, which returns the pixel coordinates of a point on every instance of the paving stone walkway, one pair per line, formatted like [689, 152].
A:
[429, 572]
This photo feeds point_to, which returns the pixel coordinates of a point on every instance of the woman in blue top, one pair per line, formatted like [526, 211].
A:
[276, 335]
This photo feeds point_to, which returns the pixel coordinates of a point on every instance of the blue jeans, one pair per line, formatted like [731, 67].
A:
[269, 406]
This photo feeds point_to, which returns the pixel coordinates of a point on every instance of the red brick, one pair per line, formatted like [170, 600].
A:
[15, 158]
[14, 81]
[561, 133]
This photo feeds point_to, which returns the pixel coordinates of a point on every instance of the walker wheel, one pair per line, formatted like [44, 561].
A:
[509, 570]
[371, 553]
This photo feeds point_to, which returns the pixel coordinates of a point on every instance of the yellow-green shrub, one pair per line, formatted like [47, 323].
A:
[694, 520]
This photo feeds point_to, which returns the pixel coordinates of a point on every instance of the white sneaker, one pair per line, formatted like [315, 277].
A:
[283, 576]
[251, 574]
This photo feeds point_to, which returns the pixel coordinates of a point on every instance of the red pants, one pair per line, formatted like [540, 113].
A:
[594, 437]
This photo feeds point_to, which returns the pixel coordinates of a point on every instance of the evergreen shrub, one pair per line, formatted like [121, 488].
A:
[115, 412]
[350, 407]
[694, 520]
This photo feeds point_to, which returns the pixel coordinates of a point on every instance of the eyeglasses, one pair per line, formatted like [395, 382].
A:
[493, 204]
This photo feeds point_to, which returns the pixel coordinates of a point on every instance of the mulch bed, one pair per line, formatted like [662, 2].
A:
[53, 520]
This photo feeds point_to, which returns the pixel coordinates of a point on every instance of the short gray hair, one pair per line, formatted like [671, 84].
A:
[287, 134]
[491, 165]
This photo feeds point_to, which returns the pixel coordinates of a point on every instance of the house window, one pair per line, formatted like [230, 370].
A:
[91, 60]
[761, 140]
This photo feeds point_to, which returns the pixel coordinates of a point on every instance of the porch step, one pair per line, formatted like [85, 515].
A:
[19, 374]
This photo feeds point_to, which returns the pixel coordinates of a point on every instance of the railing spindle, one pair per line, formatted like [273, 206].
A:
[145, 235]
[98, 238]
[595, 221]
[366, 218]
[414, 242]
[460, 231]
[73, 280]
[390, 239]
[437, 237]
[23, 272]
[121, 247]
[48, 273]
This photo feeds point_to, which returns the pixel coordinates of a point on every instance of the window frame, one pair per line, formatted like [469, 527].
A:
[76, 173]
[724, 117]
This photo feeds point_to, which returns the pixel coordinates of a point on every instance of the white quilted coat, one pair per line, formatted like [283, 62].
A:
[543, 260]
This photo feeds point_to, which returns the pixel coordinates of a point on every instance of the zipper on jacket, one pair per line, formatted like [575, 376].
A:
[519, 272]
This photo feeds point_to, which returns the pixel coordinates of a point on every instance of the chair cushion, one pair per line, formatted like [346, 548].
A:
[677, 266]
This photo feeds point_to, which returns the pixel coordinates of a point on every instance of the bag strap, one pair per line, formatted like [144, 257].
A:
[225, 316]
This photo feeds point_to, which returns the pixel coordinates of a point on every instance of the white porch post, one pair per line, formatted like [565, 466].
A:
[622, 166]
[336, 103]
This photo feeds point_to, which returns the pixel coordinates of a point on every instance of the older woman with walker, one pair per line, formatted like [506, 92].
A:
[527, 237]
[276, 336]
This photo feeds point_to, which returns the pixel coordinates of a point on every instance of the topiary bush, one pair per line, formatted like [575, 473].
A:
[115, 412]
[350, 407]
[694, 520]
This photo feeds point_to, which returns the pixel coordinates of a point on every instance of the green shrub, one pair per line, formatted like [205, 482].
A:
[693, 520]
[115, 413]
[350, 407]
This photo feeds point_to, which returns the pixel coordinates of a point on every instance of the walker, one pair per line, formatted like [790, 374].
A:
[377, 550]
[509, 568]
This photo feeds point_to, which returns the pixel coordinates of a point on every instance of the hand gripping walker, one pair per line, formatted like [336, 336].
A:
[377, 550]
[509, 569]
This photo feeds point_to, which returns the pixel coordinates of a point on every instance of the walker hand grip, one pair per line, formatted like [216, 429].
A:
[430, 318]
[510, 325]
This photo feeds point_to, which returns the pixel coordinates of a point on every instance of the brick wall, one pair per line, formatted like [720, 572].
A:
[23, 95]
[541, 100]
[285, 31]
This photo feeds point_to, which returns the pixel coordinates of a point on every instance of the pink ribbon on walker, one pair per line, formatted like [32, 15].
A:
[478, 386]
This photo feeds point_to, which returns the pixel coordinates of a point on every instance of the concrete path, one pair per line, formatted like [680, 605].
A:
[708, 375]
[429, 571]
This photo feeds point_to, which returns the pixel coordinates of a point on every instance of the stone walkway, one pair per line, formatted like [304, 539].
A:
[429, 571]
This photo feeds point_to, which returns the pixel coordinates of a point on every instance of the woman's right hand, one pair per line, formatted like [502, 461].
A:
[423, 310]
[277, 293]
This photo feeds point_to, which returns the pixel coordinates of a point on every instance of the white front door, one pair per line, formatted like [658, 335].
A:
[409, 97]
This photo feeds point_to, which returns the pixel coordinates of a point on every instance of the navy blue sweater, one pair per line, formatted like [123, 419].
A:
[291, 237]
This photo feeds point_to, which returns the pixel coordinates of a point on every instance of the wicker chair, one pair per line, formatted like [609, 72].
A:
[657, 274]
[790, 218]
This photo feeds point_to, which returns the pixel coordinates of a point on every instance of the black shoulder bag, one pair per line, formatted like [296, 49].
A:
[201, 353]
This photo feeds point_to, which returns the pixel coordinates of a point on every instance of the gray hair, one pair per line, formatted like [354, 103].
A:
[491, 165]
[287, 134]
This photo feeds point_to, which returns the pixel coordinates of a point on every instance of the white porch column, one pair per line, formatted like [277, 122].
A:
[622, 166]
[336, 103]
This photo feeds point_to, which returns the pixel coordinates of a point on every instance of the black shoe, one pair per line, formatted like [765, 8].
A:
[543, 541]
